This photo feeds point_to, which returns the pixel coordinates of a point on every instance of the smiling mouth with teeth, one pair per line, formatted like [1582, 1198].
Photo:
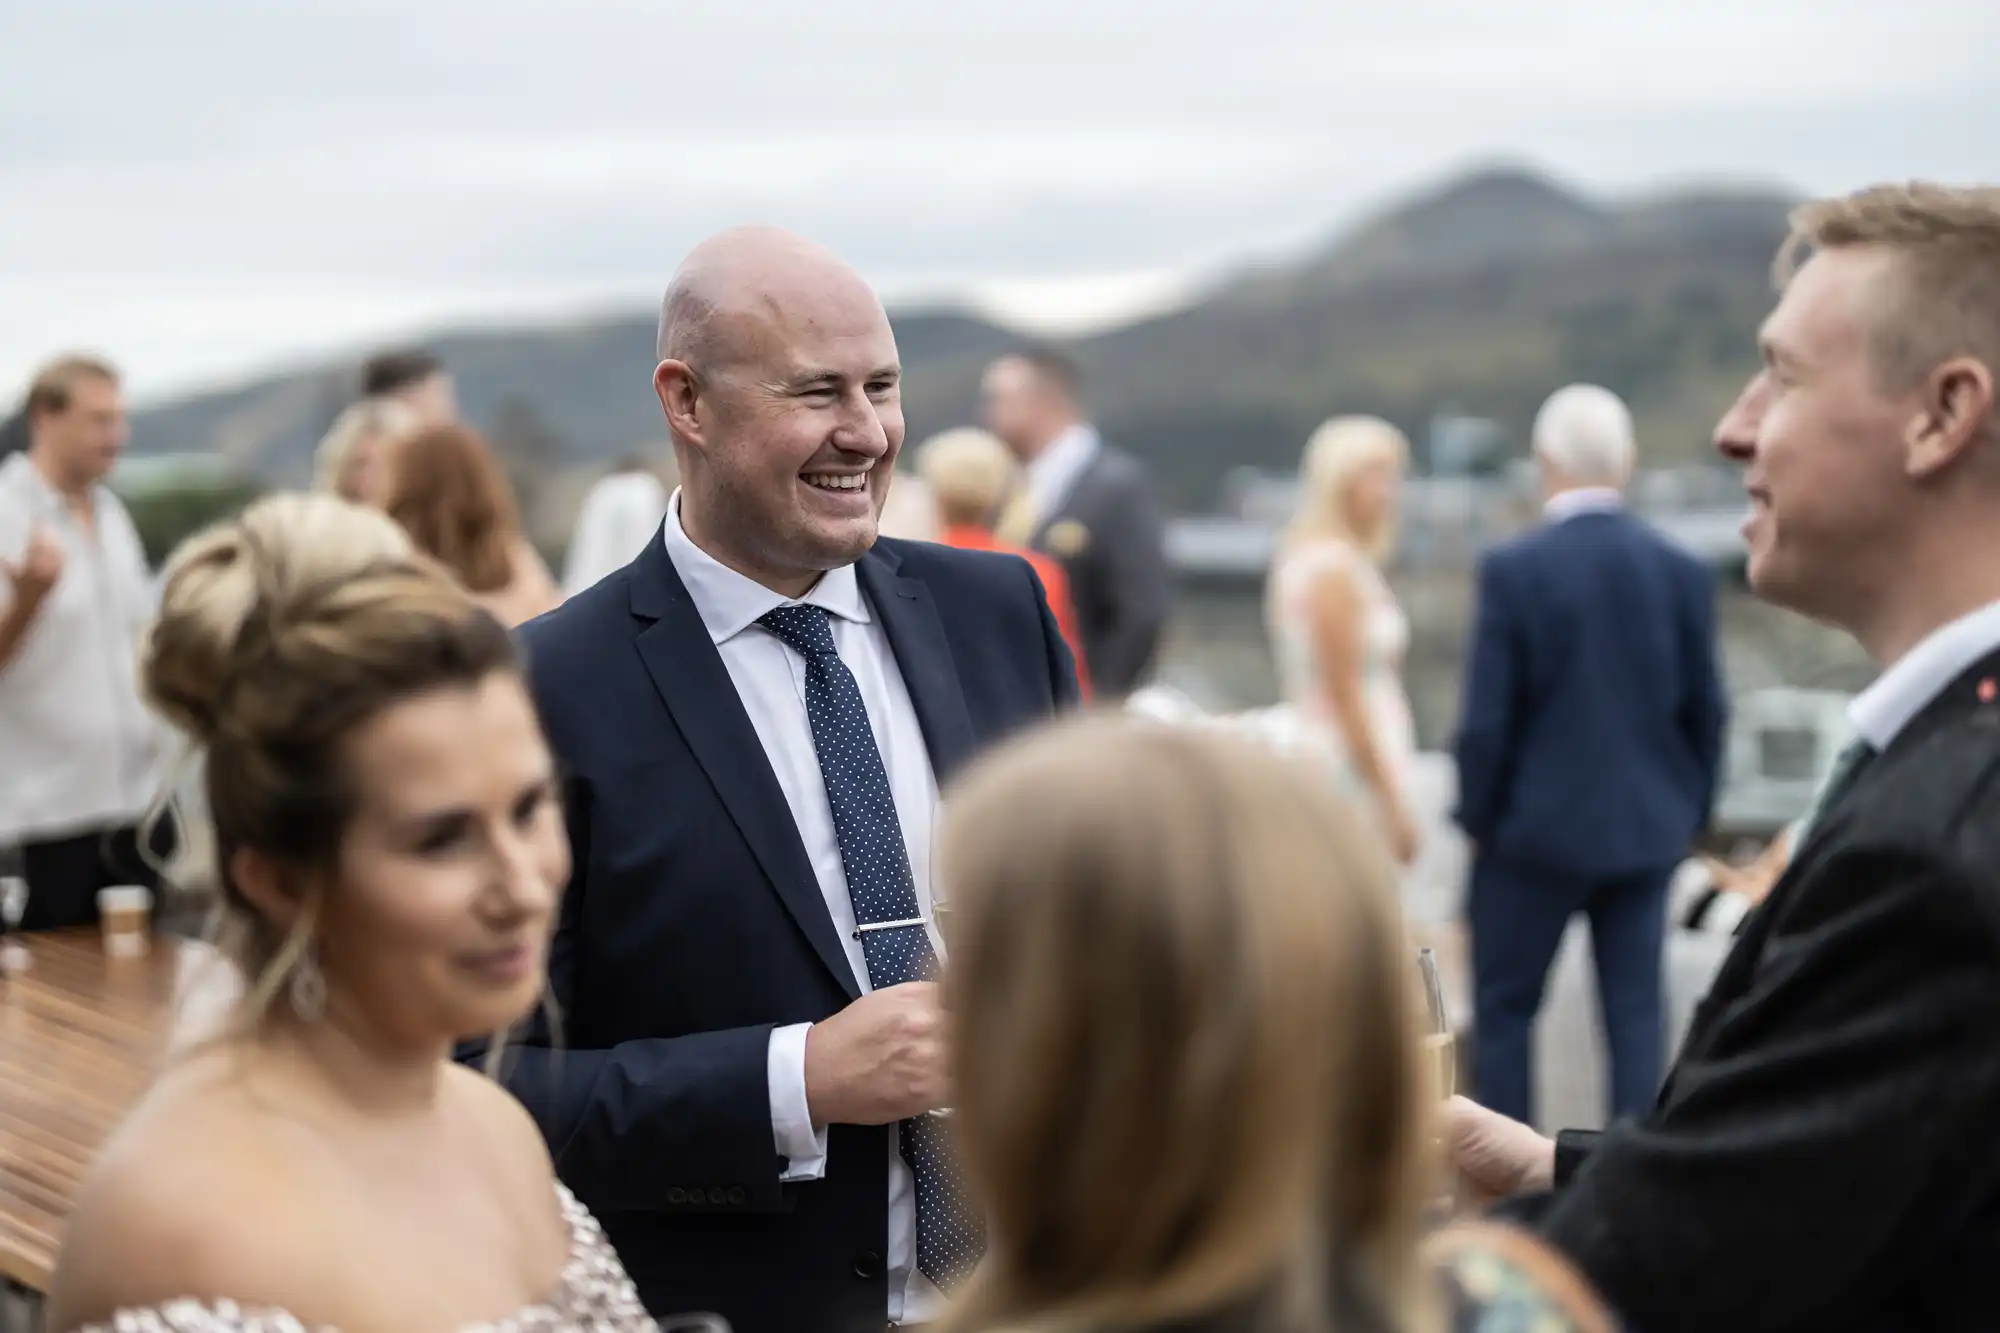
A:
[827, 482]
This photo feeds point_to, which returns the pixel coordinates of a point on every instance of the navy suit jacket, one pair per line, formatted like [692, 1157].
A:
[693, 925]
[1591, 736]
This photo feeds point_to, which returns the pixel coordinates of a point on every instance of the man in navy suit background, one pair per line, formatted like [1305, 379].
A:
[754, 718]
[1588, 752]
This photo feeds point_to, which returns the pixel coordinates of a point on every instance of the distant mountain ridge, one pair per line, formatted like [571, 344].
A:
[1477, 297]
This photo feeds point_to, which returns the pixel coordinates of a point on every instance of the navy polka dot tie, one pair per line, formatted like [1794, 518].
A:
[950, 1235]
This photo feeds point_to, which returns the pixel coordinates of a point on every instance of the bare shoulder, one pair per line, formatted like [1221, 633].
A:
[191, 1199]
[515, 1152]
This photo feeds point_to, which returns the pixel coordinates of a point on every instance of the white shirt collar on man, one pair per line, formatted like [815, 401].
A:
[770, 682]
[1880, 712]
[1053, 472]
[730, 603]
[1582, 500]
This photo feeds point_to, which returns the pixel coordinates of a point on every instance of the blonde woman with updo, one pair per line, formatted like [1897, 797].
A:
[389, 854]
[1187, 1075]
[1337, 631]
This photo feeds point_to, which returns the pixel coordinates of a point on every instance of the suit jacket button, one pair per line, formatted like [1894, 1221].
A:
[677, 1195]
[868, 1264]
[737, 1196]
[718, 1196]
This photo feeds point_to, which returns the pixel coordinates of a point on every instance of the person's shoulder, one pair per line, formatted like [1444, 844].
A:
[999, 571]
[188, 1201]
[1498, 1279]
[577, 626]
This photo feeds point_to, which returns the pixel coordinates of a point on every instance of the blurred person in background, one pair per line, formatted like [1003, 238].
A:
[910, 511]
[449, 492]
[969, 473]
[78, 752]
[418, 380]
[352, 457]
[1089, 506]
[621, 513]
[1589, 748]
[390, 853]
[1188, 1082]
[1337, 631]
[1821, 1156]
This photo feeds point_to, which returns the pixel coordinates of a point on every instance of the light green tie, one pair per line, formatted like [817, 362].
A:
[1853, 757]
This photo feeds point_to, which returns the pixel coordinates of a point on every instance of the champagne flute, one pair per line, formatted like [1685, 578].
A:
[1440, 1043]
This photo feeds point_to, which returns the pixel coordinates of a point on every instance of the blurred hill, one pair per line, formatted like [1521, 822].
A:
[1475, 298]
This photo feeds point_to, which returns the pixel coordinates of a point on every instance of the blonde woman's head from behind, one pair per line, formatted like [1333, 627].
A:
[387, 841]
[1350, 479]
[1188, 1076]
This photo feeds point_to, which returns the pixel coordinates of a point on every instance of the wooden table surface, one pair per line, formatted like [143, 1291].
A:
[81, 1036]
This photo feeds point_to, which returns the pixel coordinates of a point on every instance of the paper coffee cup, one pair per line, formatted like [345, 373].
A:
[124, 911]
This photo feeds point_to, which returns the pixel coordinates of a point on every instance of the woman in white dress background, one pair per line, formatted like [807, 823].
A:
[389, 850]
[1337, 631]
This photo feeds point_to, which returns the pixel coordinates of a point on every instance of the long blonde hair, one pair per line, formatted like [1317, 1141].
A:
[371, 419]
[1186, 1054]
[1335, 453]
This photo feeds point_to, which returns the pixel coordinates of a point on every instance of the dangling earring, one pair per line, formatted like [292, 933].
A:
[308, 987]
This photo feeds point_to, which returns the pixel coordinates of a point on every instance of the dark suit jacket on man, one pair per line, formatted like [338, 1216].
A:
[1110, 538]
[1823, 1154]
[1592, 731]
[693, 925]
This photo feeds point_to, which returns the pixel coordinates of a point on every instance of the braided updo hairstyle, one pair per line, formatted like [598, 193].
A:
[280, 632]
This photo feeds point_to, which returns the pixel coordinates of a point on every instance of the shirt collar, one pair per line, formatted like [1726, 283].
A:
[1051, 471]
[1582, 500]
[729, 602]
[1882, 710]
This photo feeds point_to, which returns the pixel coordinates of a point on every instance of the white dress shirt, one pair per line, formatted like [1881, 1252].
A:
[1880, 712]
[1582, 500]
[1053, 472]
[619, 516]
[770, 679]
[78, 749]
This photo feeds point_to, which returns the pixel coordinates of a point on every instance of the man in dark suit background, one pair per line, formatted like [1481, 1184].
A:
[1088, 505]
[1588, 749]
[754, 717]
[1821, 1156]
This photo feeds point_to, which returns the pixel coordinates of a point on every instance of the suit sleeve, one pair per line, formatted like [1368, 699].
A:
[679, 1124]
[1137, 593]
[1834, 1133]
[1487, 719]
[1705, 711]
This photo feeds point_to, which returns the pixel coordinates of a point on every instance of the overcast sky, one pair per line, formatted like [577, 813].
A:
[208, 188]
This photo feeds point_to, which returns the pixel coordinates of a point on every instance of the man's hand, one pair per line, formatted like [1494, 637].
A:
[879, 1060]
[40, 567]
[1493, 1156]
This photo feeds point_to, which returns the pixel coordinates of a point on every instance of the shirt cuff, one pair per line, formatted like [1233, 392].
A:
[802, 1146]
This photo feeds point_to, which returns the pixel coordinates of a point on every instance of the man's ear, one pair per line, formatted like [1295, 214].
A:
[679, 391]
[1953, 412]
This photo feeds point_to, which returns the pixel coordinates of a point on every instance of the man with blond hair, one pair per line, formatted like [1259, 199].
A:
[1821, 1155]
[1587, 752]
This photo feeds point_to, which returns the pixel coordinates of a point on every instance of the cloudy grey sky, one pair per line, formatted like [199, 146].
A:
[207, 188]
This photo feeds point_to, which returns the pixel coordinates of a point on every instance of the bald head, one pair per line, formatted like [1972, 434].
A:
[748, 275]
[781, 388]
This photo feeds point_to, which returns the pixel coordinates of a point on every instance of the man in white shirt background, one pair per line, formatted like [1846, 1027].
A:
[78, 750]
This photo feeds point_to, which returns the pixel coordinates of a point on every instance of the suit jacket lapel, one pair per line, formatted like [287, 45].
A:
[923, 656]
[691, 679]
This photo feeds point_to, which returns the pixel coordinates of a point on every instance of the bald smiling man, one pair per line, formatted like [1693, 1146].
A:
[754, 717]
